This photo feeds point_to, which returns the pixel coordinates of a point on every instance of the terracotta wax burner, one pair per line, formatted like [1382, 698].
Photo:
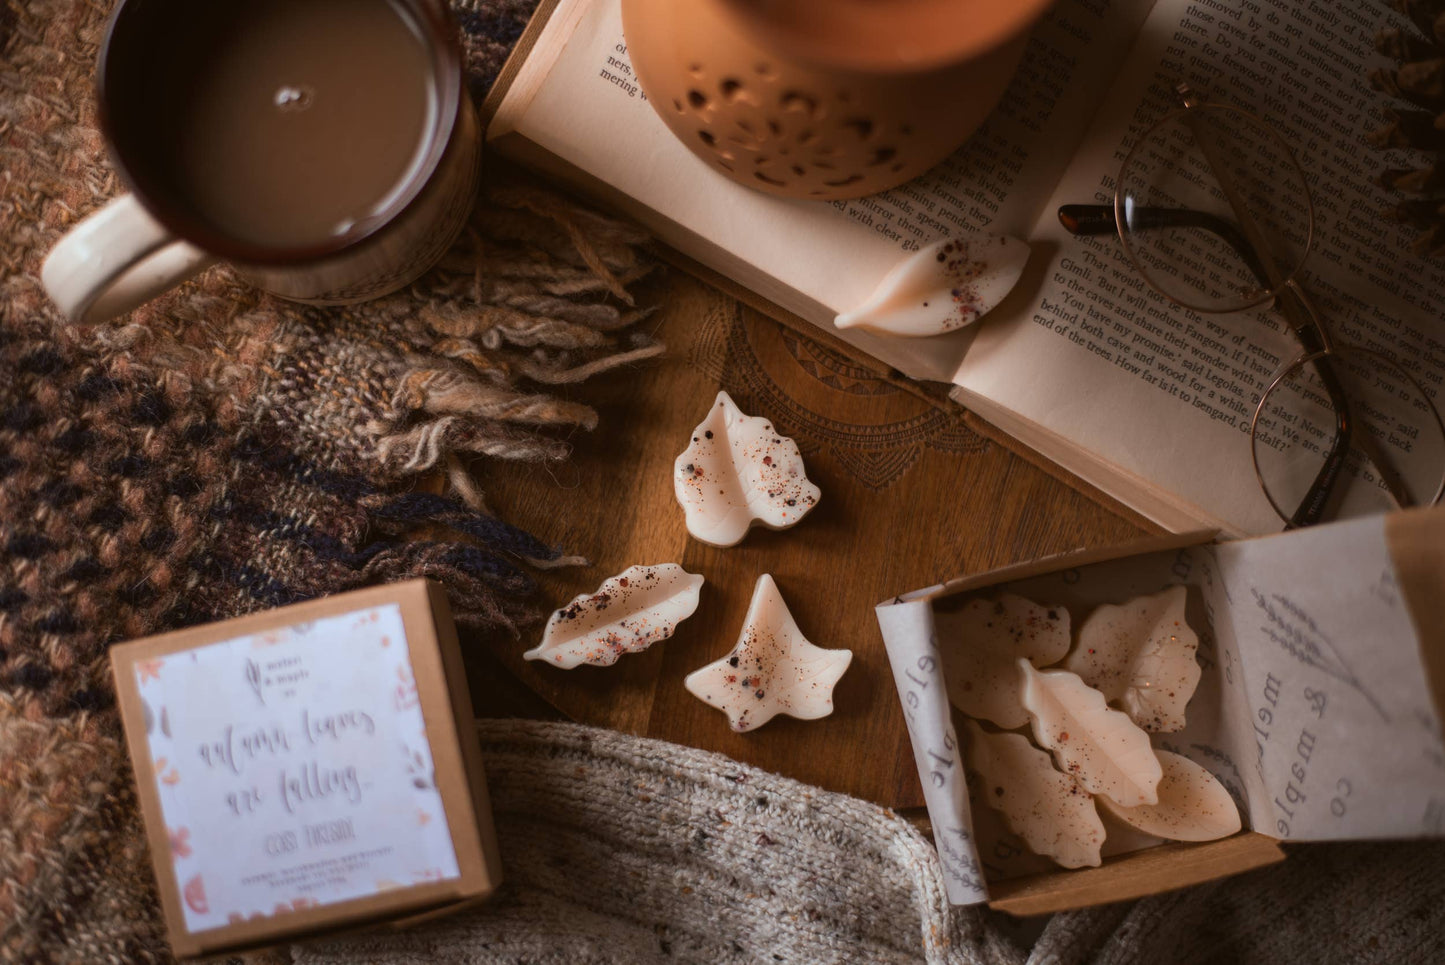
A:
[825, 99]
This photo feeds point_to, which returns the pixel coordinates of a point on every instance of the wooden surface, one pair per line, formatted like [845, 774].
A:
[912, 495]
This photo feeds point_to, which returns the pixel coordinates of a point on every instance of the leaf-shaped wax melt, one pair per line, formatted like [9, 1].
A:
[1193, 805]
[1120, 838]
[1101, 747]
[629, 613]
[947, 285]
[1050, 810]
[981, 644]
[739, 470]
[772, 670]
[1141, 654]
[994, 840]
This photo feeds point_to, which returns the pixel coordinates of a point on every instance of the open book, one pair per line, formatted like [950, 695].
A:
[1083, 362]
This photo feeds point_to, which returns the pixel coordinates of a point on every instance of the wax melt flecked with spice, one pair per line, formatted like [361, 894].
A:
[945, 286]
[738, 470]
[628, 613]
[772, 670]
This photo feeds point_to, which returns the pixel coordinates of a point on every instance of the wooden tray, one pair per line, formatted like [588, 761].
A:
[911, 495]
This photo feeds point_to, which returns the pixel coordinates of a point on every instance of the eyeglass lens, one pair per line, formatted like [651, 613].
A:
[1397, 443]
[1213, 209]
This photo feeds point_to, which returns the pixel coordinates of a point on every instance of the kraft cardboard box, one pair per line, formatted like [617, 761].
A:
[307, 770]
[1323, 674]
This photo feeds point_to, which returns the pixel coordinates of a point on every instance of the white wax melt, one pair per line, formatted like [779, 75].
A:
[1103, 748]
[1193, 805]
[1047, 808]
[772, 670]
[739, 470]
[947, 285]
[1141, 655]
[981, 645]
[629, 613]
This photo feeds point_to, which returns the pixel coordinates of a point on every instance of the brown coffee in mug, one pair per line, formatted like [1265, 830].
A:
[326, 147]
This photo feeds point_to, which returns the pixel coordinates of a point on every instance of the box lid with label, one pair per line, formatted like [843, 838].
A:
[308, 769]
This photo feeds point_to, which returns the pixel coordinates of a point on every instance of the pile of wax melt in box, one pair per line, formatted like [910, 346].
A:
[1085, 755]
[737, 471]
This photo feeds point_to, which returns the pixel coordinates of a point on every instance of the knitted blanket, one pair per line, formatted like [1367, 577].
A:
[627, 850]
[220, 451]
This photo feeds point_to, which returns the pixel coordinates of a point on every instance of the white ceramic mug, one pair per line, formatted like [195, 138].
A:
[143, 243]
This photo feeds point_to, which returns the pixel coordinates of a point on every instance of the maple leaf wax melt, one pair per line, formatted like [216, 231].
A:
[307, 769]
[983, 643]
[772, 670]
[738, 471]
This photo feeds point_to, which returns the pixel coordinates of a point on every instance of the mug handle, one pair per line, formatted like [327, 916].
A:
[116, 259]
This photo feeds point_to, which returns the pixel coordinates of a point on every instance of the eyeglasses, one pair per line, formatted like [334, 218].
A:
[1215, 213]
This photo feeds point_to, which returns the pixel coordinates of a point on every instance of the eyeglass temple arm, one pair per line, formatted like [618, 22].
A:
[1099, 219]
[1319, 491]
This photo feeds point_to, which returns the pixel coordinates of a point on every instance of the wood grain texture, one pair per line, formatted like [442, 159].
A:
[912, 495]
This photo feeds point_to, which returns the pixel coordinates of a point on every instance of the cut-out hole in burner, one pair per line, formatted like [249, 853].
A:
[730, 87]
[767, 180]
[697, 99]
[793, 100]
[844, 182]
[882, 156]
[860, 126]
[707, 138]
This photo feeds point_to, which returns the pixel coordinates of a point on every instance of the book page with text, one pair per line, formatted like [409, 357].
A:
[816, 258]
[1166, 394]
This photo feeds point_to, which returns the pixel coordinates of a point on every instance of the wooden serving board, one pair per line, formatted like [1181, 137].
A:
[911, 495]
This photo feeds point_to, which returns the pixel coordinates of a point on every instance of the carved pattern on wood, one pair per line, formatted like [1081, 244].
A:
[876, 454]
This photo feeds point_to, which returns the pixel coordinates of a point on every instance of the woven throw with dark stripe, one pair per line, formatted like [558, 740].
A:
[221, 451]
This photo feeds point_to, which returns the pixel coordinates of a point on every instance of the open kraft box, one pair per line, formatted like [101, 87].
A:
[1323, 659]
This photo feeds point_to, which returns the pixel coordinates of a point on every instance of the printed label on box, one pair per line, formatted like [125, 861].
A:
[293, 768]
